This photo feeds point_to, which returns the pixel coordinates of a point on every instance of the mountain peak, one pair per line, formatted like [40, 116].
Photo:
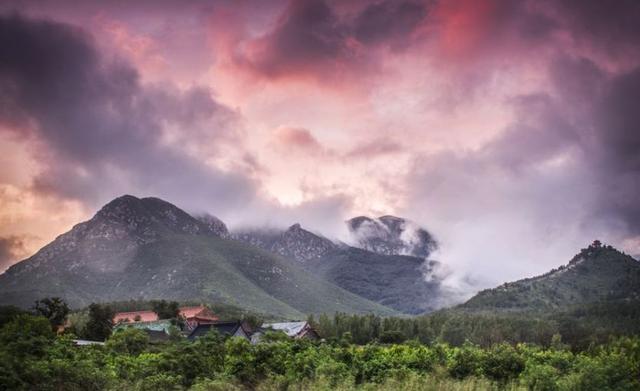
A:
[136, 221]
[214, 224]
[125, 198]
[146, 216]
[302, 245]
[295, 242]
[120, 204]
[391, 235]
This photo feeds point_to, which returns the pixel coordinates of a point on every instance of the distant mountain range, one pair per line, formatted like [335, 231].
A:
[376, 272]
[147, 248]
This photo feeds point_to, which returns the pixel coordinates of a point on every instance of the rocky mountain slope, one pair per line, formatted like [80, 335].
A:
[294, 243]
[396, 281]
[147, 248]
[390, 235]
[215, 225]
[597, 274]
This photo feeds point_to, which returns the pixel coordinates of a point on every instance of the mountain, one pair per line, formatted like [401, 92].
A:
[396, 281]
[597, 274]
[390, 235]
[147, 248]
[294, 243]
[214, 224]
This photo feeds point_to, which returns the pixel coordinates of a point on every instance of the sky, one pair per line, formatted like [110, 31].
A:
[509, 129]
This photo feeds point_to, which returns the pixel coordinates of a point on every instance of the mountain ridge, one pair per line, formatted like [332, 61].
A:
[391, 279]
[148, 248]
[595, 274]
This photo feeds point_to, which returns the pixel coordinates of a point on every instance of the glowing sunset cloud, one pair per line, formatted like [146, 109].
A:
[511, 129]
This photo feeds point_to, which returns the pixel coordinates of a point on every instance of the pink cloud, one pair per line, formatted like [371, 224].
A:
[142, 50]
[297, 138]
[375, 148]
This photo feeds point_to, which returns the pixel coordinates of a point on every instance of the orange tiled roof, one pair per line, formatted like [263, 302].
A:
[145, 316]
[200, 312]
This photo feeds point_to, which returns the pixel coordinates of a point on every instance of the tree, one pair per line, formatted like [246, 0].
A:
[54, 309]
[26, 335]
[9, 313]
[128, 341]
[100, 322]
[166, 310]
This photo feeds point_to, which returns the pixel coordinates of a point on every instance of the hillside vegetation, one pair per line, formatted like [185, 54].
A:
[598, 273]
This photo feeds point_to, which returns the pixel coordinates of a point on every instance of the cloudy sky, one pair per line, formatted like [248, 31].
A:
[509, 129]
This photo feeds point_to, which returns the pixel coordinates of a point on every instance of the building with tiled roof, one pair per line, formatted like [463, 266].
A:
[135, 316]
[195, 316]
[192, 316]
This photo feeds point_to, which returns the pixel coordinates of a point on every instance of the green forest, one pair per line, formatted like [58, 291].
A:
[589, 348]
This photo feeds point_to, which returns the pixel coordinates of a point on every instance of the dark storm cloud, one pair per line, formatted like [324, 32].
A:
[308, 32]
[318, 38]
[540, 133]
[619, 134]
[101, 129]
[388, 21]
[605, 110]
[610, 23]
[577, 80]
[618, 148]
[311, 37]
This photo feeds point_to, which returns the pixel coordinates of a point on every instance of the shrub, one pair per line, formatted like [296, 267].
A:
[160, 382]
[541, 377]
[215, 385]
[465, 361]
[502, 363]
